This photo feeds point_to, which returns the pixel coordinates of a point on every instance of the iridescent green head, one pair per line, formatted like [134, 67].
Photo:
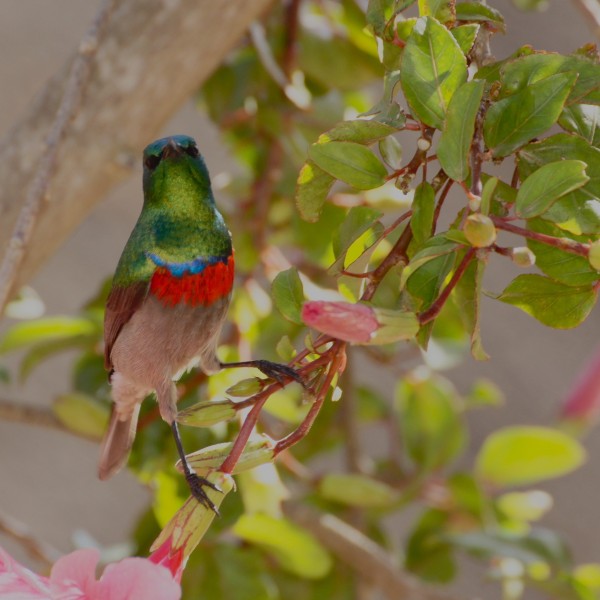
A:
[174, 162]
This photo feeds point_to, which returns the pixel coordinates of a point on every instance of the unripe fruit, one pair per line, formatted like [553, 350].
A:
[480, 231]
[594, 255]
[523, 257]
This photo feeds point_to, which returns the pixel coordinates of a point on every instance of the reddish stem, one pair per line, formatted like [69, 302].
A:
[440, 203]
[434, 310]
[302, 430]
[562, 243]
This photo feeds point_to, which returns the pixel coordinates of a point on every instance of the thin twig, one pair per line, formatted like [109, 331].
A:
[362, 554]
[434, 310]
[37, 549]
[564, 244]
[38, 190]
[39, 417]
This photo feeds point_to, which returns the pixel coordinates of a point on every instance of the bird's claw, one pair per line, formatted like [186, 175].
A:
[277, 372]
[196, 485]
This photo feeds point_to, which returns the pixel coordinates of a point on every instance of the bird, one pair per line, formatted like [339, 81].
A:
[168, 301]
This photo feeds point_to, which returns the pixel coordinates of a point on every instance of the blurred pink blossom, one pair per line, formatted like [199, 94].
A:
[342, 320]
[583, 402]
[73, 577]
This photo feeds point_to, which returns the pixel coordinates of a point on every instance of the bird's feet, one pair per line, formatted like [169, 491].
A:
[278, 372]
[273, 370]
[197, 485]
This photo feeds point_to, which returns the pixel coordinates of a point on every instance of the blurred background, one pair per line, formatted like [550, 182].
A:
[49, 479]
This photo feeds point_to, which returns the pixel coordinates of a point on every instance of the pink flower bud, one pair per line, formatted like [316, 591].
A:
[583, 402]
[342, 320]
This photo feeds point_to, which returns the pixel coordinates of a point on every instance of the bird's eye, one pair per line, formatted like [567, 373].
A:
[192, 151]
[151, 162]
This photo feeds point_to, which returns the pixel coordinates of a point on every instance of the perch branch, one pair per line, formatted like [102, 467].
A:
[38, 190]
[361, 553]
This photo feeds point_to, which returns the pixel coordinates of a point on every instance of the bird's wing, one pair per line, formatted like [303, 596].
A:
[122, 302]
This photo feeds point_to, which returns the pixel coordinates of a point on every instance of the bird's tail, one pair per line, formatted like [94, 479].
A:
[117, 442]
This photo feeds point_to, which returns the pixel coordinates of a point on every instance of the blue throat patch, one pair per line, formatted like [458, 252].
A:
[191, 267]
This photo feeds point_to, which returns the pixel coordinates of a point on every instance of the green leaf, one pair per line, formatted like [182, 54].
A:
[565, 267]
[493, 545]
[584, 120]
[436, 247]
[47, 329]
[350, 162]
[423, 205]
[512, 122]
[442, 10]
[528, 70]
[456, 139]
[44, 350]
[465, 36]
[467, 296]
[357, 221]
[433, 68]
[428, 553]
[546, 185]
[380, 12]
[360, 131]
[346, 68]
[429, 415]
[288, 294]
[312, 188]
[295, 549]
[522, 455]
[579, 211]
[552, 303]
[353, 489]
[243, 574]
[428, 268]
[81, 414]
[357, 233]
[391, 151]
[475, 11]
[525, 506]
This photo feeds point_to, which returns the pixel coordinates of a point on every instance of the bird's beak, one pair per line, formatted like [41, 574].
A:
[171, 150]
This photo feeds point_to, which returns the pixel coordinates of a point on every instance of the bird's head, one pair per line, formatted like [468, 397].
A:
[173, 160]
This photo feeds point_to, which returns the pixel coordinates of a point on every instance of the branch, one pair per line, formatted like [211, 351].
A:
[37, 193]
[565, 244]
[37, 549]
[130, 97]
[591, 12]
[39, 417]
[362, 554]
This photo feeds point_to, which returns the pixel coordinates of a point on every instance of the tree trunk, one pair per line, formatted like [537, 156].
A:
[155, 55]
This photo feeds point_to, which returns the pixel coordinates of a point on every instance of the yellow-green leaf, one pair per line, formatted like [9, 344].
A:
[522, 455]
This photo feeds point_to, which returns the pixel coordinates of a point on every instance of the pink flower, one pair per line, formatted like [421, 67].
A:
[583, 402]
[73, 577]
[342, 320]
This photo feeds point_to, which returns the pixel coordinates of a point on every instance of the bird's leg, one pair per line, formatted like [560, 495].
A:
[272, 370]
[194, 481]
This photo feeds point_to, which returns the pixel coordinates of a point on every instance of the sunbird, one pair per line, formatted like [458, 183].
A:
[169, 300]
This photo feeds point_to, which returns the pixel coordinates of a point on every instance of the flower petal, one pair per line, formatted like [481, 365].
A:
[19, 583]
[136, 579]
[342, 320]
